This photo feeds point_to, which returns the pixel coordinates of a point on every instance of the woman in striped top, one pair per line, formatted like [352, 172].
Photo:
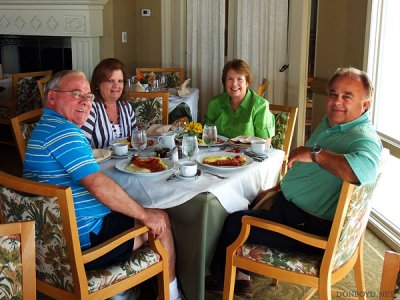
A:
[111, 116]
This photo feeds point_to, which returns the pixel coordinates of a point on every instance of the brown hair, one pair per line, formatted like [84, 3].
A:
[355, 73]
[241, 67]
[102, 73]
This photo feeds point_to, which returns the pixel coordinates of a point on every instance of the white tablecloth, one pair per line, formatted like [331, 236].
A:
[191, 100]
[233, 193]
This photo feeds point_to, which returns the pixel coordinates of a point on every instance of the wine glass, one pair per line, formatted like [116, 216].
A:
[190, 145]
[139, 140]
[210, 135]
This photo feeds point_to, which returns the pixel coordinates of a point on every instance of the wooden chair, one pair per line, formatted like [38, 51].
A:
[17, 248]
[41, 83]
[390, 283]
[22, 127]
[343, 249]
[25, 97]
[175, 76]
[285, 119]
[150, 107]
[262, 88]
[60, 262]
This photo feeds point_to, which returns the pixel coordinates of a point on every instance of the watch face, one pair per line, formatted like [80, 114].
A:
[316, 149]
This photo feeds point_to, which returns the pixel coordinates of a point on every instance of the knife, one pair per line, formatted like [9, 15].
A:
[171, 177]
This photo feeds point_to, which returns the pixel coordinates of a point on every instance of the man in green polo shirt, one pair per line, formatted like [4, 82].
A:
[344, 147]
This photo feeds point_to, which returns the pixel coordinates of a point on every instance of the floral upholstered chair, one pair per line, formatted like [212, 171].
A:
[150, 107]
[342, 249]
[390, 283]
[174, 77]
[285, 119]
[17, 256]
[60, 270]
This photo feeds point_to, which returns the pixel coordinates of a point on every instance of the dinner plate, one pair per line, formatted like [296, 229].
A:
[223, 140]
[121, 166]
[201, 157]
[243, 141]
[101, 155]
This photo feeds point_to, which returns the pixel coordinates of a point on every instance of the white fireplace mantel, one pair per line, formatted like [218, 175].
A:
[79, 19]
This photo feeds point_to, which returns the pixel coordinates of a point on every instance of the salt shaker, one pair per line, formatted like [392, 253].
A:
[174, 155]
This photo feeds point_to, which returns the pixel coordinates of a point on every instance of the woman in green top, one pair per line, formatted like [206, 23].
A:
[239, 110]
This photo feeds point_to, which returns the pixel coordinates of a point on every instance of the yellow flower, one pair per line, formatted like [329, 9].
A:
[193, 127]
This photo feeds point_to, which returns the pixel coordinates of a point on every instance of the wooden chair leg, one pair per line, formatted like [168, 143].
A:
[309, 294]
[359, 271]
[275, 281]
[229, 280]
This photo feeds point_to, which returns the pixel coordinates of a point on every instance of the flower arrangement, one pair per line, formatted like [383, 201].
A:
[193, 128]
[145, 78]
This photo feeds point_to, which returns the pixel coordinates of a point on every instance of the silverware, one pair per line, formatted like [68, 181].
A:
[216, 175]
[172, 177]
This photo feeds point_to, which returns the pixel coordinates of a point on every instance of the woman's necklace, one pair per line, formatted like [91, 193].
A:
[112, 113]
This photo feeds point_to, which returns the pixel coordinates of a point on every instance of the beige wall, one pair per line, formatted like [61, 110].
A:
[143, 48]
[340, 42]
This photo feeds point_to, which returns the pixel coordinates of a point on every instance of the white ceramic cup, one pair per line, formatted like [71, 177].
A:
[258, 146]
[168, 140]
[188, 168]
[119, 149]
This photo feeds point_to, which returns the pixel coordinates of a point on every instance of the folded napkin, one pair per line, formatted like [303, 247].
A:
[256, 156]
[182, 89]
[241, 139]
[138, 87]
[158, 129]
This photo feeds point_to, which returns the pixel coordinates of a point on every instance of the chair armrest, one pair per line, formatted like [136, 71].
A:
[301, 236]
[105, 247]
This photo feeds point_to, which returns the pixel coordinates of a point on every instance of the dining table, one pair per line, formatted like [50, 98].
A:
[197, 207]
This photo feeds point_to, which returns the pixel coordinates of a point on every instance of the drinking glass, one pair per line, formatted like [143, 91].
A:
[190, 145]
[210, 135]
[139, 140]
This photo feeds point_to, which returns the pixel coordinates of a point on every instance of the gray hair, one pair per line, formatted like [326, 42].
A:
[355, 73]
[54, 82]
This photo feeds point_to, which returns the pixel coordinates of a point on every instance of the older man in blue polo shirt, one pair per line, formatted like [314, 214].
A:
[344, 147]
[59, 153]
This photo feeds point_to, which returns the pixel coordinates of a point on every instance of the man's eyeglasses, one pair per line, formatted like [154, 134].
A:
[78, 95]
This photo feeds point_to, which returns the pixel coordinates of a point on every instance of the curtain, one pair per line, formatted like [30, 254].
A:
[260, 37]
[205, 48]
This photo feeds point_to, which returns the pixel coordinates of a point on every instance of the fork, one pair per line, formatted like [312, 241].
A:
[216, 175]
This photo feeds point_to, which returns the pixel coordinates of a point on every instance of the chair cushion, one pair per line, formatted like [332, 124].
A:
[140, 260]
[292, 261]
[147, 111]
[281, 124]
[28, 95]
[11, 267]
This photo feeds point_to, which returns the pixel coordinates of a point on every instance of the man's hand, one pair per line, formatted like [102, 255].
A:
[155, 220]
[299, 154]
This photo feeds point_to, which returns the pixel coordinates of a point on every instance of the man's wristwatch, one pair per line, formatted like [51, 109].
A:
[314, 152]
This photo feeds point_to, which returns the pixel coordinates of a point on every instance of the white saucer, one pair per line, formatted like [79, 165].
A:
[130, 153]
[180, 176]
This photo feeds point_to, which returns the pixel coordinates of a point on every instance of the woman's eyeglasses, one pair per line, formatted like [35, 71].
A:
[78, 95]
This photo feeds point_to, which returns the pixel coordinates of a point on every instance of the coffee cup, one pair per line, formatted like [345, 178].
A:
[188, 168]
[258, 146]
[167, 140]
[119, 149]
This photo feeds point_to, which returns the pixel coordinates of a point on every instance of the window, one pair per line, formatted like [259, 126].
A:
[384, 65]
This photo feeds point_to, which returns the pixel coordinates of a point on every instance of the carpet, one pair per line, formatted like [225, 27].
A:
[374, 250]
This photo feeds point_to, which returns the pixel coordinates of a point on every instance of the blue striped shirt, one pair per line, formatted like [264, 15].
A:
[59, 153]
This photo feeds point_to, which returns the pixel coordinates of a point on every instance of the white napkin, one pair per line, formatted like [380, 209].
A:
[138, 87]
[245, 139]
[182, 89]
[157, 129]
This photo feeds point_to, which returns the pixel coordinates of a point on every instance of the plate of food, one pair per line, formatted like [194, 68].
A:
[244, 140]
[223, 160]
[151, 141]
[144, 166]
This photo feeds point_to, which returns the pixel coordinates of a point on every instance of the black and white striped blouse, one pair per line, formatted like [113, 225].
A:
[98, 128]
